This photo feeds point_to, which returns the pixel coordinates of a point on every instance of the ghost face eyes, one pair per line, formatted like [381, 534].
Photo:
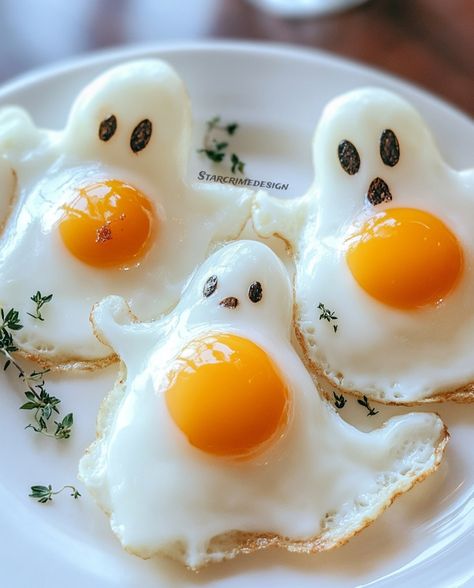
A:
[255, 292]
[389, 150]
[139, 138]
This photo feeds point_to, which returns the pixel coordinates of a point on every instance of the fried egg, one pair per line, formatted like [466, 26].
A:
[383, 244]
[102, 207]
[215, 441]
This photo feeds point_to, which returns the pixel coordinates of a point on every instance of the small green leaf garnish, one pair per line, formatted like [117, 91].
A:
[237, 164]
[10, 322]
[214, 149]
[365, 403]
[232, 128]
[216, 152]
[327, 315]
[339, 400]
[38, 400]
[40, 301]
[44, 494]
[63, 428]
[44, 406]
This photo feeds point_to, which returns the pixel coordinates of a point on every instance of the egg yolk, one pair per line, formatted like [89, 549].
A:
[405, 258]
[108, 223]
[226, 396]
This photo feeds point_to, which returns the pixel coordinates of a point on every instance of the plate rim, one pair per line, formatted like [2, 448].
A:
[71, 65]
[105, 57]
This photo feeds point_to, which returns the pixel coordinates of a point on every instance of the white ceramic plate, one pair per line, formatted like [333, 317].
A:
[276, 94]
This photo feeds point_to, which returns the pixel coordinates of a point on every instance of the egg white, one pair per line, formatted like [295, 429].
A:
[387, 354]
[317, 485]
[41, 170]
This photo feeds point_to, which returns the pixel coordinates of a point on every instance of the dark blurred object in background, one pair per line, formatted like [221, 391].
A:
[429, 42]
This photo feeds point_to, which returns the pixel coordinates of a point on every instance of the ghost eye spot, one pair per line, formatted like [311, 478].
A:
[389, 148]
[141, 135]
[348, 157]
[210, 286]
[255, 292]
[107, 128]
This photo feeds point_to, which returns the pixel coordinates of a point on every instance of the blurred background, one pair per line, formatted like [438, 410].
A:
[428, 42]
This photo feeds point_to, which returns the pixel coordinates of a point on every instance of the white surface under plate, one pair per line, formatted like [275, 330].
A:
[276, 94]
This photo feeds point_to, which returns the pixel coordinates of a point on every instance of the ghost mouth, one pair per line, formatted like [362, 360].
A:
[229, 302]
[378, 192]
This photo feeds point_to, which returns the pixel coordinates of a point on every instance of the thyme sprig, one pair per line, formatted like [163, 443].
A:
[44, 494]
[328, 315]
[365, 403]
[339, 400]
[43, 404]
[40, 301]
[215, 149]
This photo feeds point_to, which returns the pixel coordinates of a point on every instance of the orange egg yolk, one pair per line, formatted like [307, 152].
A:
[226, 396]
[405, 258]
[108, 223]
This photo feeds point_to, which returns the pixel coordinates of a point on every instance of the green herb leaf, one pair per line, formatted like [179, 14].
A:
[28, 406]
[10, 322]
[232, 128]
[237, 164]
[339, 400]
[216, 156]
[365, 403]
[44, 405]
[40, 301]
[328, 315]
[215, 149]
[38, 400]
[63, 428]
[42, 493]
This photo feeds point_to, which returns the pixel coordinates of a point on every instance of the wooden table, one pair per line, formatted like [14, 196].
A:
[428, 42]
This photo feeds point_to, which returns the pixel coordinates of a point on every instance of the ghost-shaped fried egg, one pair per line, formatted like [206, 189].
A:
[103, 207]
[384, 247]
[214, 441]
